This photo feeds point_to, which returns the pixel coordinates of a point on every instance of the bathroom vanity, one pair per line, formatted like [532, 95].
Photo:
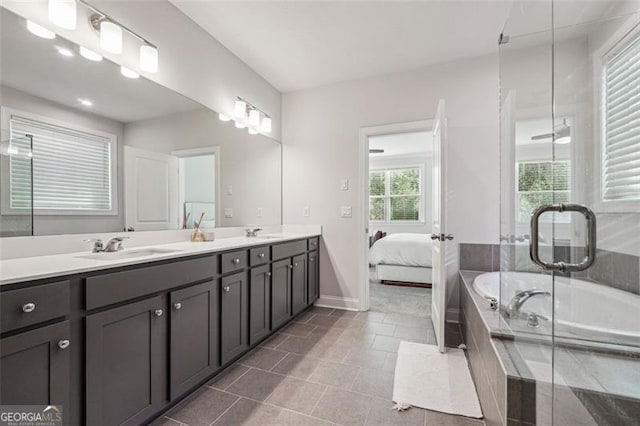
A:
[120, 341]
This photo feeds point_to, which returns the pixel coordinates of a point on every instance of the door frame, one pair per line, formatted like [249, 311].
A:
[363, 173]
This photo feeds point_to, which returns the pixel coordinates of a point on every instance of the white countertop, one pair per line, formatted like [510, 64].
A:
[38, 267]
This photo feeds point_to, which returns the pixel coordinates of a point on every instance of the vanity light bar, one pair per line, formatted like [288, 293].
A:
[249, 116]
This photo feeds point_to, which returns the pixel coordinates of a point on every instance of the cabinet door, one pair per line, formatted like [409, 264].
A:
[280, 293]
[313, 290]
[125, 361]
[35, 367]
[259, 303]
[299, 284]
[193, 333]
[234, 314]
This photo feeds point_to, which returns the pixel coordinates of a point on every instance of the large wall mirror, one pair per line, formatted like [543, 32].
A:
[87, 149]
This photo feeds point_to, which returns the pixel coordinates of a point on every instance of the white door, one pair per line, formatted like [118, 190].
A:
[150, 190]
[439, 235]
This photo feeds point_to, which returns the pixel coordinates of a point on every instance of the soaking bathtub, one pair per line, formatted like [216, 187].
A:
[583, 310]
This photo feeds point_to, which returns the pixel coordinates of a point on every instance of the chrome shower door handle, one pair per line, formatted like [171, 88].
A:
[534, 250]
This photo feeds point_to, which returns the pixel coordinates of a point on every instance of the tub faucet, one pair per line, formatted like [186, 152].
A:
[513, 308]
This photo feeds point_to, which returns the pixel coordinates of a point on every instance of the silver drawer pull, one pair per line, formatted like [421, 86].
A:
[226, 288]
[63, 344]
[28, 307]
[177, 306]
[236, 261]
[158, 312]
[261, 255]
[268, 274]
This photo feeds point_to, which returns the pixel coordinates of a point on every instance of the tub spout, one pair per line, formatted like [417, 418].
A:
[513, 308]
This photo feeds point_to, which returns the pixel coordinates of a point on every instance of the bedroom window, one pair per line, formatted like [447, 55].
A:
[395, 195]
[540, 183]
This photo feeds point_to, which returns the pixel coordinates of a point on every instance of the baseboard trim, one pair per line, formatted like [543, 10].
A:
[348, 303]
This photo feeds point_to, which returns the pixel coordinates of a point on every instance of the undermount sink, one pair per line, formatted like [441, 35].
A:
[127, 254]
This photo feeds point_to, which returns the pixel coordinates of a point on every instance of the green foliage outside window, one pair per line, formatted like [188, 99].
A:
[395, 195]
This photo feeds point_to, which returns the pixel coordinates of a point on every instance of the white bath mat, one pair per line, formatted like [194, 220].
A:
[429, 379]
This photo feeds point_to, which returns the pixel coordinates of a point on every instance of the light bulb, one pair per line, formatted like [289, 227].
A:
[223, 117]
[85, 102]
[128, 72]
[63, 13]
[148, 58]
[266, 125]
[65, 52]
[254, 118]
[110, 37]
[240, 109]
[240, 124]
[40, 31]
[89, 54]
[253, 131]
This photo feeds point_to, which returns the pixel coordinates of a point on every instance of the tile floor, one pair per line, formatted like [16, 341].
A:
[328, 367]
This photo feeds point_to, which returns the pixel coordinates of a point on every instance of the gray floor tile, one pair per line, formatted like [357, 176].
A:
[290, 418]
[165, 421]
[323, 320]
[381, 414]
[298, 345]
[406, 320]
[370, 358]
[297, 395]
[227, 377]
[299, 366]
[342, 407]
[275, 340]
[298, 329]
[335, 374]
[416, 334]
[334, 351]
[349, 323]
[356, 339]
[203, 407]
[256, 384]
[379, 328]
[305, 317]
[370, 316]
[435, 418]
[247, 412]
[263, 358]
[343, 313]
[374, 383]
[321, 311]
[390, 363]
[386, 343]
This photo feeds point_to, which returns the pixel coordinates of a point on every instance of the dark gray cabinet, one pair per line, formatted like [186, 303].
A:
[234, 303]
[313, 290]
[259, 303]
[126, 363]
[193, 336]
[280, 292]
[299, 284]
[35, 367]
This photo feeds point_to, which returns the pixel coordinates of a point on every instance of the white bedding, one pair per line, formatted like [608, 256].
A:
[402, 249]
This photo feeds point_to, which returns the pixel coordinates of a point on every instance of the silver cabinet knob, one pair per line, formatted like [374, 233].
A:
[177, 306]
[236, 261]
[290, 266]
[158, 312]
[226, 288]
[261, 255]
[268, 274]
[28, 307]
[63, 344]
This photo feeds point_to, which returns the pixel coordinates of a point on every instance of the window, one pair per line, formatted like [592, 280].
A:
[395, 195]
[542, 183]
[621, 122]
[72, 169]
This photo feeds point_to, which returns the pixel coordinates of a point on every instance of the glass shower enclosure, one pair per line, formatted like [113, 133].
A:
[570, 207]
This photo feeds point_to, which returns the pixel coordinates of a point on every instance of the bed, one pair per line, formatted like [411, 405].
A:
[402, 258]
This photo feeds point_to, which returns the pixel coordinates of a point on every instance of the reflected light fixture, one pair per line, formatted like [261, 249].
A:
[85, 102]
[223, 117]
[266, 124]
[254, 118]
[129, 73]
[12, 150]
[90, 54]
[110, 37]
[40, 31]
[240, 124]
[240, 108]
[63, 13]
[252, 131]
[148, 58]
[65, 52]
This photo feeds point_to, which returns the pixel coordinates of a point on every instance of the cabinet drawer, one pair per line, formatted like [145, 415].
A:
[233, 261]
[32, 305]
[260, 255]
[103, 290]
[291, 249]
[314, 243]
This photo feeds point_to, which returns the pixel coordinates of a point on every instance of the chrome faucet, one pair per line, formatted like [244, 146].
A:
[513, 308]
[114, 244]
[252, 232]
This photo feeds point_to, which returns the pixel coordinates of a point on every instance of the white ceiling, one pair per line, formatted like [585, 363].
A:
[400, 144]
[301, 44]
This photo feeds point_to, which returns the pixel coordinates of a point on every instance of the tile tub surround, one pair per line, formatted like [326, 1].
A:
[611, 268]
[329, 367]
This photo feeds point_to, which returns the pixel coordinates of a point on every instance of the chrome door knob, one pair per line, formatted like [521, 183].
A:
[448, 237]
[435, 236]
[261, 255]
[236, 261]
[177, 306]
[28, 307]
[63, 344]
[158, 312]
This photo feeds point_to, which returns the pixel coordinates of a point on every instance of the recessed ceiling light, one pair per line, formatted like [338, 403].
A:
[128, 73]
[40, 31]
[65, 52]
[89, 54]
[85, 102]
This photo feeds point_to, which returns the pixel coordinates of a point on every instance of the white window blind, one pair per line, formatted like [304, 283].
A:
[71, 169]
[621, 123]
[395, 195]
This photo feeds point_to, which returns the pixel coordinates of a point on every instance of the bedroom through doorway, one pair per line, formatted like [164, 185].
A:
[399, 193]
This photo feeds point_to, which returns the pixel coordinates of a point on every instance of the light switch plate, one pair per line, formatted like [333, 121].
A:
[306, 211]
[260, 212]
[228, 213]
[344, 185]
[345, 211]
